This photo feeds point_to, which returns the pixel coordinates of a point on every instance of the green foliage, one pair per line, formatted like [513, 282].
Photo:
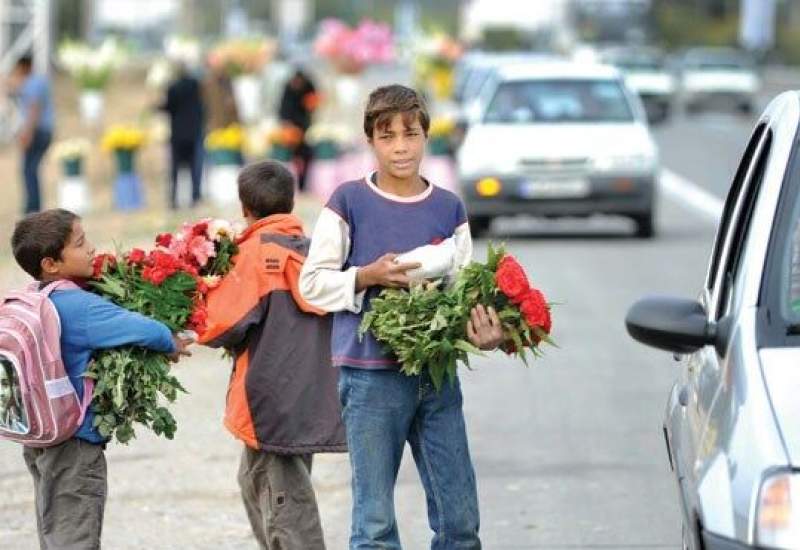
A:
[129, 386]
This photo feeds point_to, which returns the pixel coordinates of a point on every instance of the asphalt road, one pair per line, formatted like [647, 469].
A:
[569, 453]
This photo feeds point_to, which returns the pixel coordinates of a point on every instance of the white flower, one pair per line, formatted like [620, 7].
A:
[217, 229]
[159, 74]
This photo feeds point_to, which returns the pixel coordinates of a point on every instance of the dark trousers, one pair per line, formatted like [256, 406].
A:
[31, 159]
[70, 487]
[189, 154]
[304, 154]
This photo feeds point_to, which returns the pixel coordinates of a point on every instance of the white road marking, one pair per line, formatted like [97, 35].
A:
[690, 194]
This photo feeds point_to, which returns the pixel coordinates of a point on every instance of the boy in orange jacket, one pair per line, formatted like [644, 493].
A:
[282, 399]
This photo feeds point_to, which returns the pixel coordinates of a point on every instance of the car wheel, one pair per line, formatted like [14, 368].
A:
[645, 225]
[479, 225]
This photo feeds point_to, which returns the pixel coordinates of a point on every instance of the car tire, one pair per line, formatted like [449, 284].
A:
[645, 225]
[479, 225]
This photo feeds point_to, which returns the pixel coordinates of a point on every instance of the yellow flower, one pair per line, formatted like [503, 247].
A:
[122, 137]
[441, 127]
[228, 138]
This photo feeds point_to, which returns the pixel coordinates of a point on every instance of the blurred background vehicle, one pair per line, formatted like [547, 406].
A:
[646, 73]
[714, 76]
[559, 139]
[732, 426]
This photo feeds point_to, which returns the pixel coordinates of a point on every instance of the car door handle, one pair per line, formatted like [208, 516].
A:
[683, 396]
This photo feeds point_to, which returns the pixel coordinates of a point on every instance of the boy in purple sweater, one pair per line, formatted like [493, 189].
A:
[365, 224]
[69, 479]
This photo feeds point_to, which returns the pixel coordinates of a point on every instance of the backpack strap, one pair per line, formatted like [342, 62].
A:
[88, 390]
[47, 289]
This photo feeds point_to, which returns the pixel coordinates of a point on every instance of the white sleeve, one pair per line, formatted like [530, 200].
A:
[323, 284]
[463, 246]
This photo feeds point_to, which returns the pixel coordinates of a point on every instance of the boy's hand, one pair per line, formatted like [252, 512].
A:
[180, 348]
[484, 329]
[384, 272]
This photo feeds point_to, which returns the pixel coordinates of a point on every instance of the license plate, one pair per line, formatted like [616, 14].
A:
[554, 189]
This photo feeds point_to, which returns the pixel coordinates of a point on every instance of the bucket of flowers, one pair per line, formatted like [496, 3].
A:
[123, 141]
[243, 59]
[224, 147]
[73, 191]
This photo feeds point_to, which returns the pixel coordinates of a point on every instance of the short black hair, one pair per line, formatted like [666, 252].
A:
[25, 62]
[387, 101]
[41, 235]
[266, 188]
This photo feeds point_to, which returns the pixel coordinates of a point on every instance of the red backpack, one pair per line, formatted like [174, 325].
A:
[39, 406]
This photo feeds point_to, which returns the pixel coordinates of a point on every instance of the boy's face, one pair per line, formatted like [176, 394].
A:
[76, 258]
[399, 147]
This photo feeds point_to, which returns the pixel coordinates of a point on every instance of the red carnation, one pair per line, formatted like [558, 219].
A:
[198, 319]
[101, 261]
[200, 229]
[164, 239]
[136, 256]
[534, 309]
[511, 279]
[155, 275]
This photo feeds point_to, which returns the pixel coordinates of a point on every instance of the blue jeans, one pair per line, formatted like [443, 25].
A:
[382, 410]
[32, 157]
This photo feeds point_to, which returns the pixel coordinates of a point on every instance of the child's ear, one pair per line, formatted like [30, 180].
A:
[49, 266]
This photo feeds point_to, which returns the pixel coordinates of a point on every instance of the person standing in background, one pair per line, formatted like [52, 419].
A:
[219, 99]
[38, 118]
[184, 105]
[298, 102]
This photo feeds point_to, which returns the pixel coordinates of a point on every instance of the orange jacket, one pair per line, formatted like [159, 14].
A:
[282, 394]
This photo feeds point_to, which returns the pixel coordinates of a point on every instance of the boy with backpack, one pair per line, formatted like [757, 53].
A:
[353, 257]
[47, 335]
[281, 402]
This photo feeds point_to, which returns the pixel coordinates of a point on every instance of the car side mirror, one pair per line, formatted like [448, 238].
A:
[671, 324]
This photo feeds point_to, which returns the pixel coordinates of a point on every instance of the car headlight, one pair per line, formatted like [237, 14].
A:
[624, 163]
[778, 513]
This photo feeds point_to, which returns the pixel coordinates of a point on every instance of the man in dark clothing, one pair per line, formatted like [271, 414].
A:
[297, 104]
[184, 106]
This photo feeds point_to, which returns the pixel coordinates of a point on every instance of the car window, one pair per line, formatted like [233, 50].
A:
[741, 231]
[559, 101]
[730, 203]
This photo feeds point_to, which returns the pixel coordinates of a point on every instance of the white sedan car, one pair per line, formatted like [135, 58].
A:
[559, 139]
[714, 74]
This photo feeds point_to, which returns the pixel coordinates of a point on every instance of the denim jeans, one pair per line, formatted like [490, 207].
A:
[32, 157]
[382, 410]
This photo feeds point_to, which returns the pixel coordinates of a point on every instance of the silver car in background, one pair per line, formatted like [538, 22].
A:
[647, 74]
[732, 424]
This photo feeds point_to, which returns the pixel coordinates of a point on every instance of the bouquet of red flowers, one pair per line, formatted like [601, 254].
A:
[425, 326]
[168, 284]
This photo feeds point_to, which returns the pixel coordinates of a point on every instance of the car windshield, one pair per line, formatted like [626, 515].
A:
[559, 101]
